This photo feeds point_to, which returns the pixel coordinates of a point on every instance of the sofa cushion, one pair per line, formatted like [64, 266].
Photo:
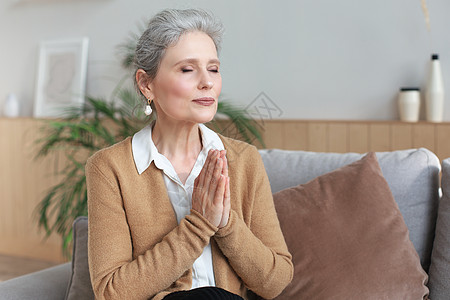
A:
[47, 284]
[348, 238]
[412, 175]
[440, 260]
[80, 283]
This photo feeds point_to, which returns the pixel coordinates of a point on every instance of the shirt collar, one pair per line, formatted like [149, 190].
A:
[145, 151]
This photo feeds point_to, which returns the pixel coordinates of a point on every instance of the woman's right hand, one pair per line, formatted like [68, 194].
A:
[208, 196]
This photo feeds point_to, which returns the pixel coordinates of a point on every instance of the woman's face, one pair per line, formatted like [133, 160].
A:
[188, 83]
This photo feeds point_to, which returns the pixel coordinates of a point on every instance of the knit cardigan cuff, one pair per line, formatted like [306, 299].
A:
[196, 215]
[228, 229]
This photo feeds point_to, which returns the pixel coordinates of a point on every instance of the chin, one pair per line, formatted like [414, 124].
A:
[205, 117]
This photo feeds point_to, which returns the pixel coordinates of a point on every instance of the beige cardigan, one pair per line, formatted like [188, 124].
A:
[138, 251]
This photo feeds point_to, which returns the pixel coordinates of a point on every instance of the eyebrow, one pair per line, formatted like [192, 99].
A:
[195, 60]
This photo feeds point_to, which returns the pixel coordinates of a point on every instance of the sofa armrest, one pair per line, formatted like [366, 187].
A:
[46, 284]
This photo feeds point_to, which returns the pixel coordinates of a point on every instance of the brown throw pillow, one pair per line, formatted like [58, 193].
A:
[348, 238]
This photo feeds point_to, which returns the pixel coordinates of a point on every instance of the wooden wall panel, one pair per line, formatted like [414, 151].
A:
[317, 137]
[358, 137]
[276, 133]
[424, 136]
[24, 182]
[337, 137]
[379, 137]
[295, 136]
[401, 136]
[443, 141]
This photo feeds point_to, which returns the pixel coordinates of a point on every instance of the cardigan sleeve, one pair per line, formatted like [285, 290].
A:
[114, 273]
[258, 252]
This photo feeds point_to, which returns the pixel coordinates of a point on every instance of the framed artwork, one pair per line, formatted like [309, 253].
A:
[61, 77]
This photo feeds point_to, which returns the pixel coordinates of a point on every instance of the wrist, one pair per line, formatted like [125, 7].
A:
[199, 215]
[228, 228]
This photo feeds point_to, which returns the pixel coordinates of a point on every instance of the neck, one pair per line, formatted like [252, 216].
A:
[177, 140]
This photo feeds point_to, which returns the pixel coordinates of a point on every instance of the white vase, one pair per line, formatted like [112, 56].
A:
[409, 104]
[434, 96]
[11, 107]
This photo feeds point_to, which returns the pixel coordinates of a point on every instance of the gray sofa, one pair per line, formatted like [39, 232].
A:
[412, 175]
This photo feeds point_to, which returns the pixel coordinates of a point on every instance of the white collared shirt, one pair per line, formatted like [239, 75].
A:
[180, 195]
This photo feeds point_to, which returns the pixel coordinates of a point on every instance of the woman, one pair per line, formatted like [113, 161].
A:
[179, 211]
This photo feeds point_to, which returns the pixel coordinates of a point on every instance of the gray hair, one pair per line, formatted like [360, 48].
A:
[166, 28]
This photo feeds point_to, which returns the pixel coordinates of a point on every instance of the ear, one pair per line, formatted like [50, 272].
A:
[143, 82]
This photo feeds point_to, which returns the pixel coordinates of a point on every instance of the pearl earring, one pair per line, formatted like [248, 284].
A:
[148, 109]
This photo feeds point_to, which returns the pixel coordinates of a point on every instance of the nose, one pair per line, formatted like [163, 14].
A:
[205, 81]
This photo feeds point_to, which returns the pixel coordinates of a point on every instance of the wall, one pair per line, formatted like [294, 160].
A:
[315, 59]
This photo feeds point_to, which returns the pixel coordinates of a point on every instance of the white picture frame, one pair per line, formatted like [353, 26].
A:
[61, 76]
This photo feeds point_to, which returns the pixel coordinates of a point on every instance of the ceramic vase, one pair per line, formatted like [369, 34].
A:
[11, 107]
[409, 104]
[434, 96]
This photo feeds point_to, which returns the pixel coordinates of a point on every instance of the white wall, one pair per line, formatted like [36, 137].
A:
[316, 59]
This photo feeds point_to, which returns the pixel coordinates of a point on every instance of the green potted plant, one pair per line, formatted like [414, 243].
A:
[81, 131]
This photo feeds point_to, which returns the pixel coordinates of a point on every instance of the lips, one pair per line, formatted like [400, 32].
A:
[206, 101]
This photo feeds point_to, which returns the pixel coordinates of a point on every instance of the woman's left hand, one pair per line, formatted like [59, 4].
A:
[211, 194]
[226, 197]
